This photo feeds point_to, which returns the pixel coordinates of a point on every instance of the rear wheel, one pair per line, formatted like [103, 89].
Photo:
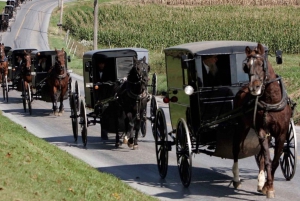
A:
[23, 95]
[29, 99]
[83, 123]
[288, 159]
[6, 89]
[77, 95]
[154, 84]
[74, 118]
[161, 143]
[184, 152]
[153, 109]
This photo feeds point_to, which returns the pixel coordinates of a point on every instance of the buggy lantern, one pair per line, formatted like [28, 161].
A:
[189, 90]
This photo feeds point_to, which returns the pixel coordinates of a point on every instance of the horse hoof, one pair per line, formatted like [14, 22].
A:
[237, 184]
[135, 147]
[270, 194]
[59, 114]
[259, 189]
[130, 145]
[117, 145]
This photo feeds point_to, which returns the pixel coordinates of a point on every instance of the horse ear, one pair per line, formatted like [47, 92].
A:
[260, 49]
[134, 59]
[55, 49]
[148, 68]
[62, 49]
[247, 50]
[144, 59]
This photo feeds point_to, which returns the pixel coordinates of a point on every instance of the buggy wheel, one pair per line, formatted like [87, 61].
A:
[24, 95]
[6, 88]
[184, 152]
[74, 118]
[153, 109]
[77, 95]
[288, 159]
[161, 143]
[154, 84]
[29, 99]
[83, 123]
[70, 90]
[143, 127]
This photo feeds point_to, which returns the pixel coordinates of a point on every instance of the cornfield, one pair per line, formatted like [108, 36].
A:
[225, 2]
[156, 27]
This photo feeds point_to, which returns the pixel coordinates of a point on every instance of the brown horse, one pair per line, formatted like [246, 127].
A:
[58, 79]
[26, 69]
[271, 117]
[3, 62]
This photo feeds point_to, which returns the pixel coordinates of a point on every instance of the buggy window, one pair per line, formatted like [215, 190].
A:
[123, 64]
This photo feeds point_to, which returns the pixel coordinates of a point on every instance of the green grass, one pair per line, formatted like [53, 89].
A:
[2, 5]
[32, 169]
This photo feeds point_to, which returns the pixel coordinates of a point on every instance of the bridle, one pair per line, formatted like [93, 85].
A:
[60, 67]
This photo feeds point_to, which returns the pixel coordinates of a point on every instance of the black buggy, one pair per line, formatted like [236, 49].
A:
[118, 61]
[202, 118]
[13, 80]
[4, 22]
[9, 9]
[39, 89]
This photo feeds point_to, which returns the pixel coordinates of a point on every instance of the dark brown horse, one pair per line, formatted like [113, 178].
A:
[58, 79]
[3, 62]
[270, 117]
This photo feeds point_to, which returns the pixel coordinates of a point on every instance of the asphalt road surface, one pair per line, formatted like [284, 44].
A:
[211, 176]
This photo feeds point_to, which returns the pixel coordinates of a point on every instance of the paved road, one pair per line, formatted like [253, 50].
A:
[211, 175]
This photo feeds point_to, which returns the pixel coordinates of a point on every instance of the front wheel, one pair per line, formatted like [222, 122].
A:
[153, 109]
[83, 123]
[288, 159]
[161, 143]
[184, 152]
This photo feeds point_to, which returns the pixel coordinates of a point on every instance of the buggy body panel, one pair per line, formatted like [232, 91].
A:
[208, 104]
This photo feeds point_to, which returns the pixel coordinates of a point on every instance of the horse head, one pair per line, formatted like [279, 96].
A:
[257, 68]
[27, 60]
[2, 52]
[138, 75]
[60, 61]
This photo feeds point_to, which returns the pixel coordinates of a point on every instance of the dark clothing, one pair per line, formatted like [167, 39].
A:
[210, 80]
[105, 77]
[105, 90]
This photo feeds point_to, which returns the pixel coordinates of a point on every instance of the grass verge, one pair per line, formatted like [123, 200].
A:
[32, 169]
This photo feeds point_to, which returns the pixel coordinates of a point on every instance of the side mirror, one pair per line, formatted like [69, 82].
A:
[69, 59]
[278, 56]
[184, 63]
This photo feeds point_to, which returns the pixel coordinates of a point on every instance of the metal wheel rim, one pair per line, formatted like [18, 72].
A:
[83, 121]
[77, 93]
[6, 88]
[153, 109]
[161, 140]
[288, 159]
[29, 99]
[154, 84]
[74, 118]
[184, 152]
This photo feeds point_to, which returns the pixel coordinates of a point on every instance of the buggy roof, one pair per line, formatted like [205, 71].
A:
[43, 52]
[214, 47]
[9, 6]
[109, 52]
[19, 50]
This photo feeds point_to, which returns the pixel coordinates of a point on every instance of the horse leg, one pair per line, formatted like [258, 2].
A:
[130, 130]
[116, 117]
[137, 127]
[54, 100]
[126, 122]
[238, 138]
[63, 91]
[261, 178]
[264, 143]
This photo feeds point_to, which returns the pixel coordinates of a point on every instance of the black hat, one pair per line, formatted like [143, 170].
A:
[102, 58]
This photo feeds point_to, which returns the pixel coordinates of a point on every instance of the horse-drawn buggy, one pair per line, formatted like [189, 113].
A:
[47, 78]
[9, 9]
[14, 3]
[115, 86]
[4, 22]
[245, 114]
[16, 61]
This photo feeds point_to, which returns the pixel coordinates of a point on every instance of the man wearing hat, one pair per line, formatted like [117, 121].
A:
[211, 76]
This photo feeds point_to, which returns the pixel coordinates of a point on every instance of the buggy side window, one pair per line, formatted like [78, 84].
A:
[123, 66]
[215, 71]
